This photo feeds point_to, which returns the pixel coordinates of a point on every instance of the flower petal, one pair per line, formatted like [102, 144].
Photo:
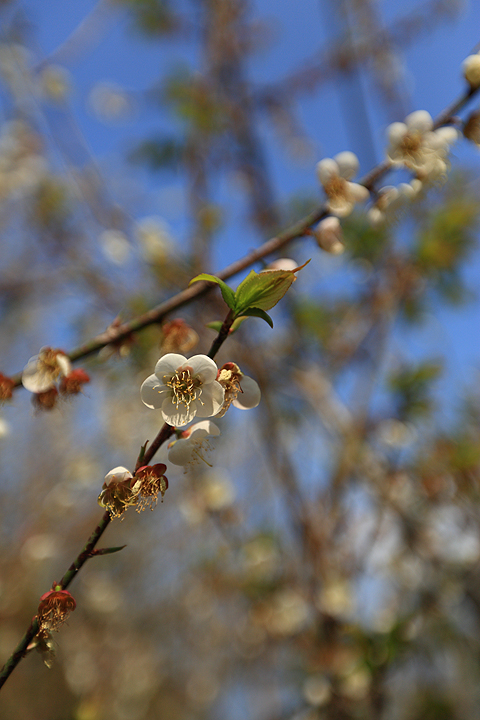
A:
[211, 400]
[203, 367]
[181, 452]
[35, 379]
[64, 364]
[396, 132]
[250, 395]
[153, 393]
[168, 364]
[358, 193]
[202, 429]
[118, 474]
[326, 169]
[420, 121]
[347, 164]
[448, 134]
[177, 416]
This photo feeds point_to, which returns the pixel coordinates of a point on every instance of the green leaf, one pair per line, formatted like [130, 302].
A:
[257, 312]
[263, 290]
[215, 325]
[227, 292]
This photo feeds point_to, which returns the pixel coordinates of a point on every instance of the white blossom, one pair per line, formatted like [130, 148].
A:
[42, 370]
[335, 174]
[190, 448]
[241, 391]
[415, 145]
[182, 389]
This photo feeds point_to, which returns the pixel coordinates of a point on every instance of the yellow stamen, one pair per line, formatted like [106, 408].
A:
[185, 388]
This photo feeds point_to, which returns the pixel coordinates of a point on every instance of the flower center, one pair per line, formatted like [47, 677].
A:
[411, 144]
[185, 388]
[336, 187]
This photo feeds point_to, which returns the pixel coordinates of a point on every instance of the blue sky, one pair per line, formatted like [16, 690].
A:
[291, 33]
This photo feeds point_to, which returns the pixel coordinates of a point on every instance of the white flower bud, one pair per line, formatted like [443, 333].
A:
[471, 70]
[329, 236]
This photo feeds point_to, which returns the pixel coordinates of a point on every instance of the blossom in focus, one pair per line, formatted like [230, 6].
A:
[118, 491]
[415, 145]
[329, 236]
[191, 446]
[335, 174]
[178, 336]
[149, 482]
[471, 70]
[241, 391]
[43, 370]
[54, 608]
[182, 389]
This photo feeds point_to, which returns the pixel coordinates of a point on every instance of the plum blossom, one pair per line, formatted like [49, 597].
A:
[118, 491]
[149, 482]
[182, 389]
[414, 144]
[42, 370]
[192, 444]
[329, 236]
[241, 391]
[335, 177]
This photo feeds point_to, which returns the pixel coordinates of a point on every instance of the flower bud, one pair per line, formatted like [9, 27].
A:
[329, 236]
[471, 70]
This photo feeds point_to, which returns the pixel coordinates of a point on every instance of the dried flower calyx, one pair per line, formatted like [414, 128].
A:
[54, 608]
[150, 480]
[6, 387]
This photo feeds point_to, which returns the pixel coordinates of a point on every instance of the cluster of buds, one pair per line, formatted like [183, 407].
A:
[49, 374]
[122, 490]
